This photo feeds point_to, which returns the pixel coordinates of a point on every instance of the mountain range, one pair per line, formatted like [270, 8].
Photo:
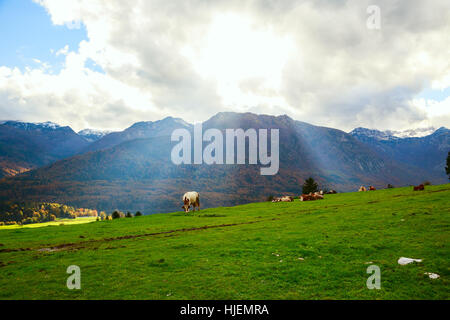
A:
[25, 146]
[132, 170]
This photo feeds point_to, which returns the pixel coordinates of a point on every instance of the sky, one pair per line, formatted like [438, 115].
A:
[107, 64]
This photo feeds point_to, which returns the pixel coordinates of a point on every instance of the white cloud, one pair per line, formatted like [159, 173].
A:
[63, 51]
[314, 60]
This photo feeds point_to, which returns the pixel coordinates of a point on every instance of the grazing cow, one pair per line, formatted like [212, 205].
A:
[191, 198]
[331, 192]
[362, 188]
[419, 187]
[372, 188]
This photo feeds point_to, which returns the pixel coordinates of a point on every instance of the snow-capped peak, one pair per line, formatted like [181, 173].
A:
[93, 131]
[32, 125]
[393, 134]
[48, 124]
[412, 133]
[93, 134]
[372, 133]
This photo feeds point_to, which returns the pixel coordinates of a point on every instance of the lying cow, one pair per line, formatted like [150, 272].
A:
[283, 199]
[419, 187]
[310, 197]
[362, 188]
[191, 198]
[331, 192]
[372, 188]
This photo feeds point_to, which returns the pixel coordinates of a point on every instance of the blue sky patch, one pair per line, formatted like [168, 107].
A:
[27, 33]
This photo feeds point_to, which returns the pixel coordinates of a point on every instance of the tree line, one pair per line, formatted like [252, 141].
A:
[32, 212]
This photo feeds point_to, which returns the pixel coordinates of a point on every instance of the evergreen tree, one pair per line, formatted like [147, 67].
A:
[310, 186]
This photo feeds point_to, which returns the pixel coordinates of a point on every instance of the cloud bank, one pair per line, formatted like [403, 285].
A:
[314, 60]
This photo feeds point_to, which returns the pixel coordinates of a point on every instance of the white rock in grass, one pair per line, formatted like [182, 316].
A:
[301, 259]
[432, 275]
[404, 260]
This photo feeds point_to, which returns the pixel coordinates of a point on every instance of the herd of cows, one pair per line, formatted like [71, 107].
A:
[192, 198]
[305, 197]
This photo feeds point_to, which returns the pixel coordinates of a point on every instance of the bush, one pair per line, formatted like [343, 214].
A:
[117, 214]
[270, 198]
[138, 214]
[427, 183]
[2, 223]
[27, 220]
[129, 215]
[390, 186]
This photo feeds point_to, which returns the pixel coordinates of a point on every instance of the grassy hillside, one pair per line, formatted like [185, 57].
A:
[245, 252]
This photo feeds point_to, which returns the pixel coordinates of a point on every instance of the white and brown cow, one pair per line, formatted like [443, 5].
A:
[311, 197]
[283, 199]
[191, 198]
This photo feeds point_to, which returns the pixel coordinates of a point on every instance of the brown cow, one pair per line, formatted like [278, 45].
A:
[310, 197]
[372, 188]
[305, 197]
[419, 187]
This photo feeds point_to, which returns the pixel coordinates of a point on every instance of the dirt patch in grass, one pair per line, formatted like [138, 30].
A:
[213, 215]
[81, 245]
[15, 250]
[4, 264]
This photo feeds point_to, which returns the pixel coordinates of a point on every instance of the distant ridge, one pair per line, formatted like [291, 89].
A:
[27, 145]
[139, 130]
